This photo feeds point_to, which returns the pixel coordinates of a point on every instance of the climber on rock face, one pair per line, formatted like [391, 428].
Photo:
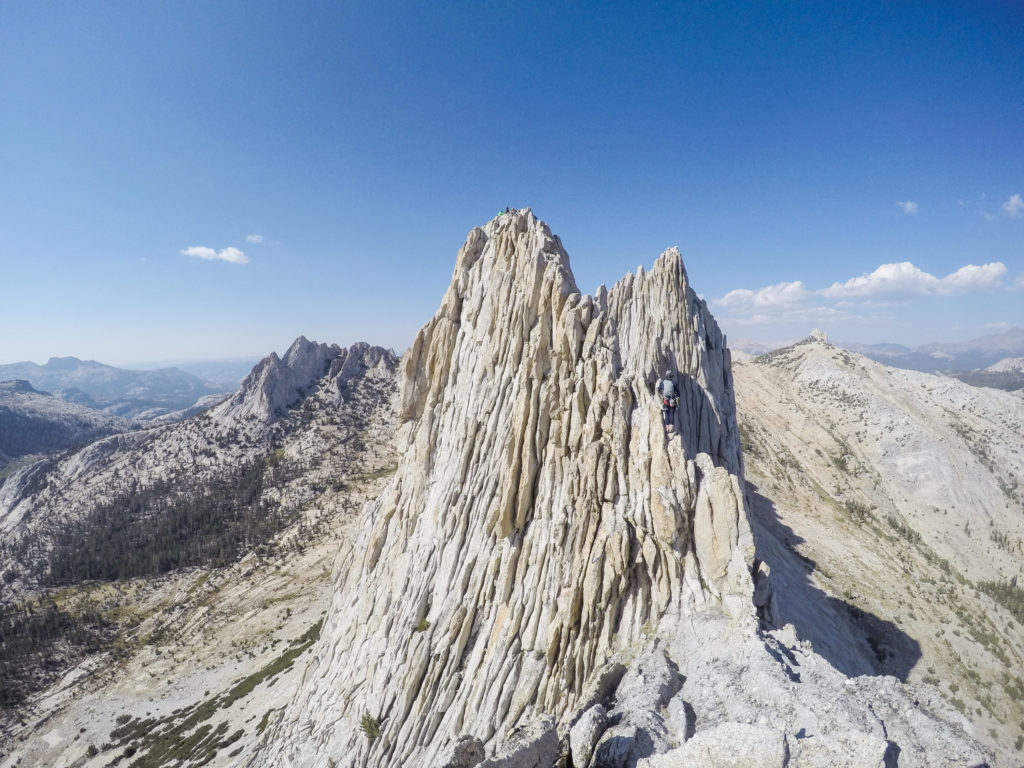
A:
[666, 387]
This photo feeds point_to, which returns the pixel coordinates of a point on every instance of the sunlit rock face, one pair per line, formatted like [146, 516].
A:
[541, 518]
[553, 578]
[276, 384]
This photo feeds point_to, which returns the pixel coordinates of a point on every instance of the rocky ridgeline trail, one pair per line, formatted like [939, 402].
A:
[890, 505]
[159, 585]
[550, 580]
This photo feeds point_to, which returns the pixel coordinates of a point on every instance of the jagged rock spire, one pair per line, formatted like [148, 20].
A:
[540, 521]
[276, 383]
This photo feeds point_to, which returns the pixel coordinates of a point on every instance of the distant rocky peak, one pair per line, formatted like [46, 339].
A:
[1007, 365]
[304, 354]
[63, 363]
[358, 359]
[278, 383]
[70, 364]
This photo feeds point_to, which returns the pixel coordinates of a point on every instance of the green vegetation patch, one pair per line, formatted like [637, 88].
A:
[904, 530]
[370, 726]
[167, 527]
[40, 639]
[1007, 594]
[377, 474]
[857, 510]
[185, 736]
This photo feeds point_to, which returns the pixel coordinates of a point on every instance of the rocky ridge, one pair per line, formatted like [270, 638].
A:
[946, 456]
[889, 505]
[196, 657]
[240, 429]
[1007, 374]
[1007, 365]
[551, 579]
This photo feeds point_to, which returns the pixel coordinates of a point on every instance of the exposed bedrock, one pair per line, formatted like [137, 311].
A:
[542, 529]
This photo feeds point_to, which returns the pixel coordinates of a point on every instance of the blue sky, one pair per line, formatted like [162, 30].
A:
[213, 179]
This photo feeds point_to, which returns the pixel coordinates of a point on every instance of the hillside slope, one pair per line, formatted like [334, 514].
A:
[33, 423]
[159, 585]
[900, 493]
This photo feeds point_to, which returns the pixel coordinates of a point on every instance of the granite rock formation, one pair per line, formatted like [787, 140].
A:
[541, 519]
[549, 565]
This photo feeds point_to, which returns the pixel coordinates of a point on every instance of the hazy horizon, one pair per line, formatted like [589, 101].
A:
[738, 343]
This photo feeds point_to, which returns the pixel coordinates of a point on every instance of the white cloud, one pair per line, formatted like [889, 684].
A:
[256, 239]
[887, 279]
[1019, 282]
[229, 254]
[878, 299]
[774, 304]
[805, 315]
[1014, 206]
[906, 279]
[778, 295]
[907, 206]
[974, 278]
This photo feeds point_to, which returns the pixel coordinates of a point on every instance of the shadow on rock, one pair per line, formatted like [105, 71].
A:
[853, 641]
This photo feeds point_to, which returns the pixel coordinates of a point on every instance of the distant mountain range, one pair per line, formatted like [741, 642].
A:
[125, 393]
[970, 355]
[225, 374]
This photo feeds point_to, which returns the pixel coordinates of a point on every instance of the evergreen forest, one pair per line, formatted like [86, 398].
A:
[139, 532]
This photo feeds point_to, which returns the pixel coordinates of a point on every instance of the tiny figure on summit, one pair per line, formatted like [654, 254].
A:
[666, 387]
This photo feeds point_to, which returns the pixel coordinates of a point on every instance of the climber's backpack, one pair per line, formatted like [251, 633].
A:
[669, 398]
